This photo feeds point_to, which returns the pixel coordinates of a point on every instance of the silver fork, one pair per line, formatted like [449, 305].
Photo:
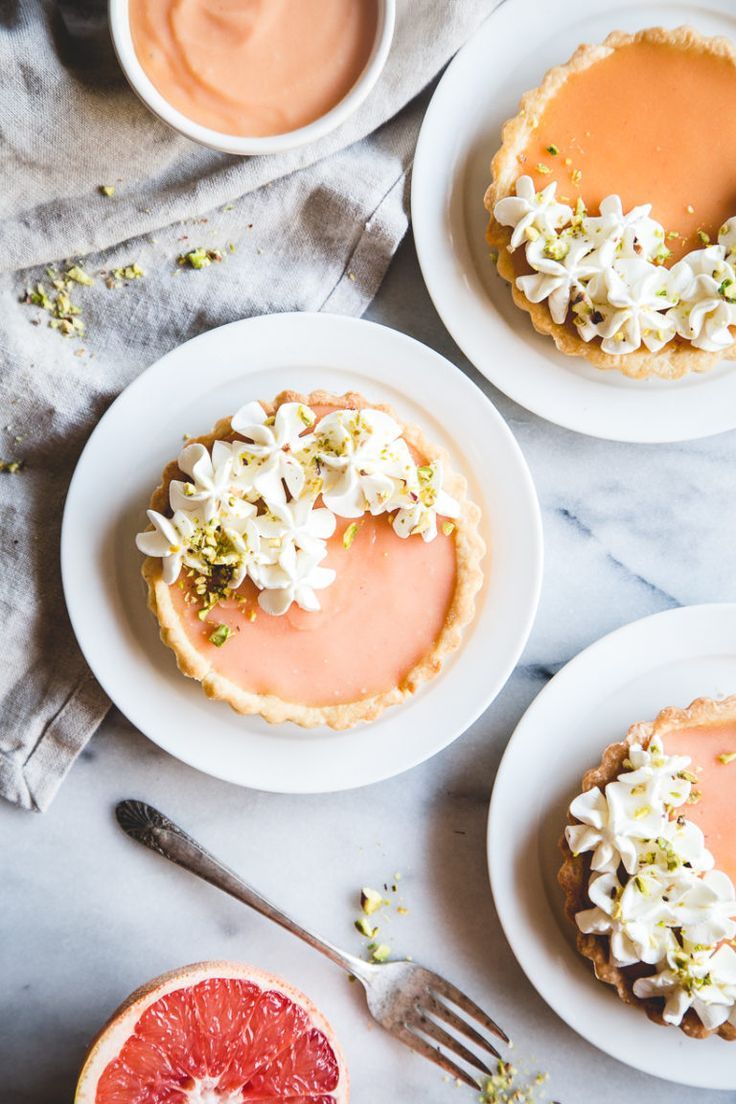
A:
[412, 1003]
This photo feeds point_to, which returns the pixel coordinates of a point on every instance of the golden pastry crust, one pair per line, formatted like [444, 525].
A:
[675, 359]
[574, 874]
[470, 549]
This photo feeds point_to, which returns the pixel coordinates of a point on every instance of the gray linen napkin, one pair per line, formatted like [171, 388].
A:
[315, 239]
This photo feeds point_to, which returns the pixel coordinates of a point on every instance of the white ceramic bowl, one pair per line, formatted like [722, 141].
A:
[242, 144]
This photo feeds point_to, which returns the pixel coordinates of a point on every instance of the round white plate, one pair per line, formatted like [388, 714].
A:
[187, 391]
[629, 675]
[461, 132]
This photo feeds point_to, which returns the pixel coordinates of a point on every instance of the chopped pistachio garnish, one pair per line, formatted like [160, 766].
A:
[726, 757]
[127, 272]
[448, 528]
[349, 535]
[543, 168]
[64, 313]
[370, 900]
[78, 275]
[504, 1086]
[363, 926]
[728, 289]
[556, 248]
[552, 148]
[642, 811]
[576, 176]
[199, 258]
[12, 467]
[380, 953]
[705, 238]
[220, 635]
[107, 190]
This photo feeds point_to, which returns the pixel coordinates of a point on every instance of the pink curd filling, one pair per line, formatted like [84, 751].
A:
[382, 614]
[715, 813]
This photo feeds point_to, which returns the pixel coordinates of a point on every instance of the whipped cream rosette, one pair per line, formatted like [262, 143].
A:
[653, 894]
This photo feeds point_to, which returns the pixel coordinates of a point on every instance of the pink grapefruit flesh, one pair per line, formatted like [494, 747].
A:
[215, 1033]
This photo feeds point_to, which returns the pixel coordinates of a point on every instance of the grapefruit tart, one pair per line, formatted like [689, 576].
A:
[216, 1031]
[650, 865]
[312, 559]
[613, 205]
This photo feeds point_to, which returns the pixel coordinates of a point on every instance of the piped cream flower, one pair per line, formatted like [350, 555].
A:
[210, 478]
[636, 916]
[167, 541]
[298, 523]
[363, 459]
[702, 980]
[267, 461]
[530, 212]
[424, 499]
[295, 578]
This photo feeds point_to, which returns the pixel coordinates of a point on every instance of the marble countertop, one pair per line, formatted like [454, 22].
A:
[87, 915]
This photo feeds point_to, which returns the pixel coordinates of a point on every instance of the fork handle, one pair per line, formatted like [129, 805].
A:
[150, 827]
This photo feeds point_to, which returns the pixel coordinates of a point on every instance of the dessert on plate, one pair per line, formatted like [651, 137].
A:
[613, 207]
[312, 559]
[650, 864]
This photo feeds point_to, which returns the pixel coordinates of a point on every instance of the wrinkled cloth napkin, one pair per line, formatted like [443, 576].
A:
[313, 229]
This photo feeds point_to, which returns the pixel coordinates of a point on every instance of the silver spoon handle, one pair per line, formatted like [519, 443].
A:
[150, 827]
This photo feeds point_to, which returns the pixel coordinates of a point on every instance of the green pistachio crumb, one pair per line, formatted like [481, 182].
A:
[381, 953]
[370, 900]
[364, 927]
[726, 757]
[107, 190]
[705, 238]
[552, 148]
[448, 528]
[127, 272]
[199, 258]
[79, 276]
[544, 169]
[12, 467]
[349, 535]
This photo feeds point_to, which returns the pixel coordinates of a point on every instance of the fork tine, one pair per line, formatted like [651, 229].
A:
[443, 988]
[439, 1009]
[416, 1043]
[449, 1042]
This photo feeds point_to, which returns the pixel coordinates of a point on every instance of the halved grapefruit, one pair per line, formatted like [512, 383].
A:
[215, 1033]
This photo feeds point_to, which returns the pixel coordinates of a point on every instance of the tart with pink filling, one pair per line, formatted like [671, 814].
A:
[650, 864]
[312, 559]
[612, 205]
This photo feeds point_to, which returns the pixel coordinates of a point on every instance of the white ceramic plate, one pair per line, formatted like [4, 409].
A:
[629, 675]
[187, 391]
[461, 132]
